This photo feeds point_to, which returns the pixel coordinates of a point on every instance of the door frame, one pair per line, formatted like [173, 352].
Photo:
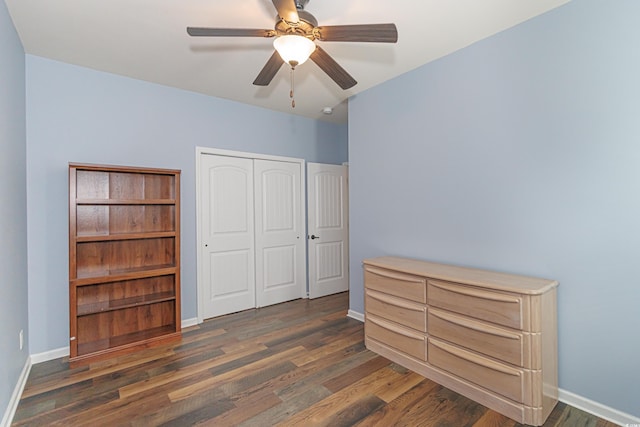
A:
[203, 151]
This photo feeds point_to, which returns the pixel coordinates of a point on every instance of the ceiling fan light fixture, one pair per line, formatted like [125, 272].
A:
[294, 49]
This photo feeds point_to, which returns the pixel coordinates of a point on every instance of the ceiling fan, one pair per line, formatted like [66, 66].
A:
[295, 31]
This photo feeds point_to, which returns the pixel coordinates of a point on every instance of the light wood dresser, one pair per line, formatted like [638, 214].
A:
[489, 336]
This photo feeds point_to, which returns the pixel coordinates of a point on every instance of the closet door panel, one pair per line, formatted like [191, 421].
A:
[280, 264]
[227, 235]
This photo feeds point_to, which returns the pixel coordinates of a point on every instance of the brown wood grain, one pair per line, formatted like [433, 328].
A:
[124, 259]
[297, 363]
[126, 185]
[159, 186]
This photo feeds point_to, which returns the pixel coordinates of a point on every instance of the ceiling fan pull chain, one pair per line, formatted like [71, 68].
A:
[293, 101]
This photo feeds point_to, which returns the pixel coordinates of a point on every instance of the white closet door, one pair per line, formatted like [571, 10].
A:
[327, 193]
[279, 231]
[227, 237]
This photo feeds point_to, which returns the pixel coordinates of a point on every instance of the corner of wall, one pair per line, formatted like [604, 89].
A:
[10, 411]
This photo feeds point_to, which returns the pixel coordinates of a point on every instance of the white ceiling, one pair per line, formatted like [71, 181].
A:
[147, 40]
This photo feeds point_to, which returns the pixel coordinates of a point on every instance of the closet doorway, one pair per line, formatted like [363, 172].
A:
[250, 231]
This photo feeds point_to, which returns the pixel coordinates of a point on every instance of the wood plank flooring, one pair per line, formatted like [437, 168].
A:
[300, 363]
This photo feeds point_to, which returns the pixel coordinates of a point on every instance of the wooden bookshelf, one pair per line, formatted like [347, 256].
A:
[124, 259]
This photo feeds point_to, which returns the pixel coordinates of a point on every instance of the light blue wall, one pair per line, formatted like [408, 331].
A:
[520, 153]
[80, 115]
[13, 209]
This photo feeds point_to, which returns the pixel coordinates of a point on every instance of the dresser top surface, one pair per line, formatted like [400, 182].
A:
[470, 276]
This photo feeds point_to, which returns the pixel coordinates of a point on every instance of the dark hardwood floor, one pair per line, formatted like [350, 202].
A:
[300, 363]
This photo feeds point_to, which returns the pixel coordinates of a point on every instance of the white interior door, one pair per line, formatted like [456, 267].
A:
[227, 235]
[279, 231]
[327, 193]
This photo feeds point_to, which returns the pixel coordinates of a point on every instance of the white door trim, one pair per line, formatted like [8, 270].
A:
[200, 151]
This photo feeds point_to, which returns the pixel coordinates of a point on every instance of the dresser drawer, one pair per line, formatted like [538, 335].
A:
[513, 383]
[508, 345]
[392, 282]
[404, 312]
[393, 335]
[496, 307]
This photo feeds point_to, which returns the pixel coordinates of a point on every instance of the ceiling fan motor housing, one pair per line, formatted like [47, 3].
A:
[304, 27]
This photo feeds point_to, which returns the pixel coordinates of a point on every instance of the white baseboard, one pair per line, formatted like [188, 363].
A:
[597, 409]
[64, 351]
[582, 403]
[10, 412]
[49, 355]
[355, 315]
[186, 323]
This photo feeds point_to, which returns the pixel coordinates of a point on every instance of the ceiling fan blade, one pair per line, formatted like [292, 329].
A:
[269, 70]
[287, 10]
[376, 33]
[332, 68]
[229, 32]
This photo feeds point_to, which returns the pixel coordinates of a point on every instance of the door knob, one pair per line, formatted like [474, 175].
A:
[312, 237]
